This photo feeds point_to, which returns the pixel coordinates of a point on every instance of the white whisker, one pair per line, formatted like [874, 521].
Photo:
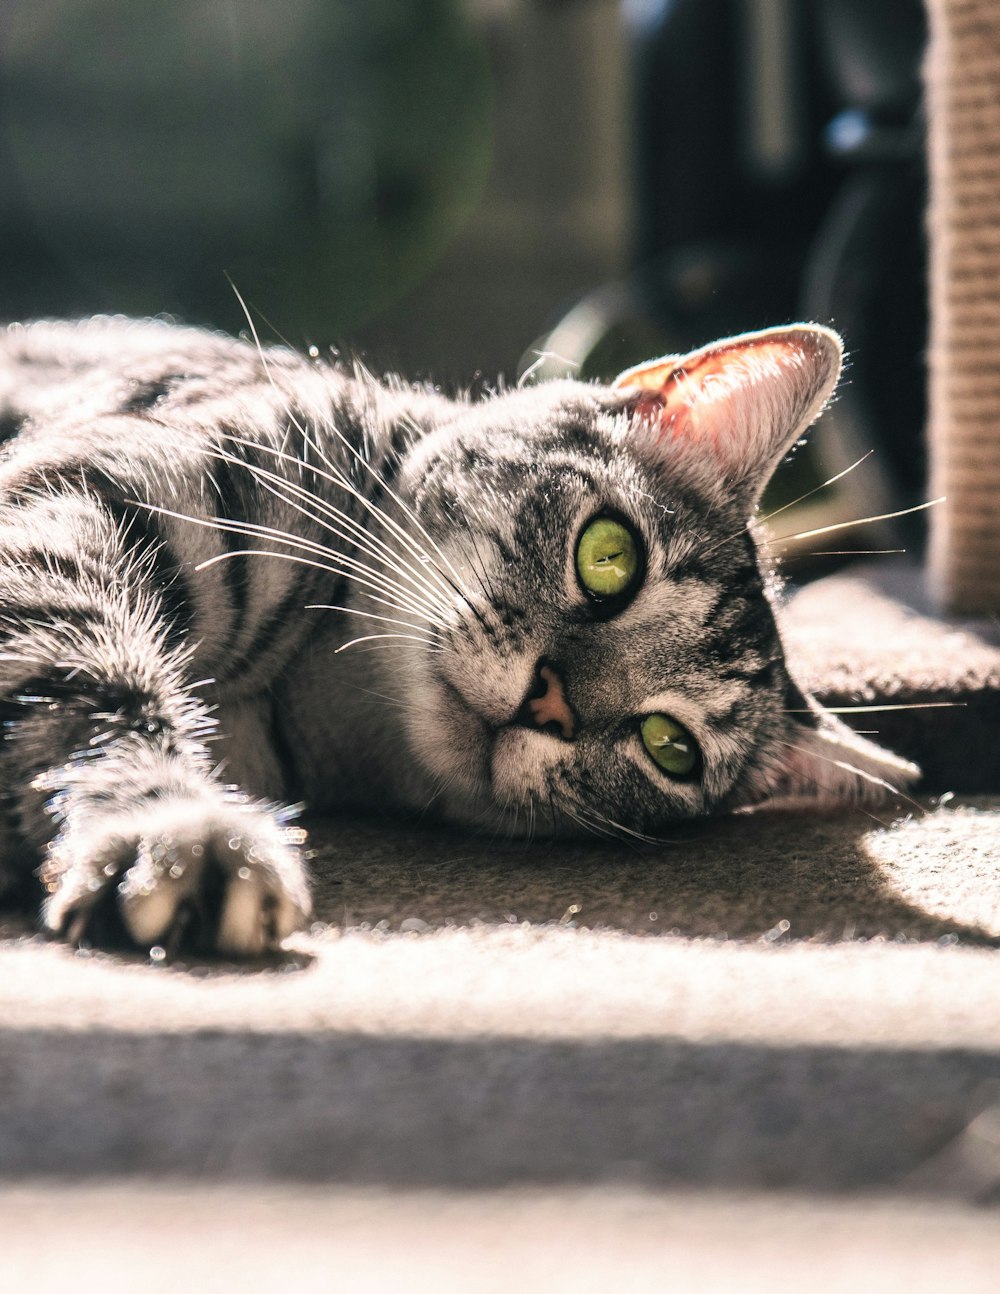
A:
[341, 478]
[874, 709]
[371, 638]
[846, 552]
[816, 489]
[861, 521]
[785, 506]
[541, 356]
[336, 565]
[403, 601]
[387, 521]
[356, 533]
[873, 778]
[368, 615]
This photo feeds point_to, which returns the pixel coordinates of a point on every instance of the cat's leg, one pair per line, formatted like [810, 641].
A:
[109, 782]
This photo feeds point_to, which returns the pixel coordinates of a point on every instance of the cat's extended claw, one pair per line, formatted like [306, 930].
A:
[184, 876]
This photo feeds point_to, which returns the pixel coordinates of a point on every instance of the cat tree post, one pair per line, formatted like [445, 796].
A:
[963, 104]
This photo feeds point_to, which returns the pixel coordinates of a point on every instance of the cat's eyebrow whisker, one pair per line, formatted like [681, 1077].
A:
[403, 641]
[396, 604]
[272, 481]
[845, 552]
[420, 597]
[482, 575]
[270, 322]
[337, 564]
[342, 479]
[816, 488]
[371, 615]
[873, 709]
[801, 499]
[861, 521]
[456, 584]
[427, 563]
[540, 357]
[436, 567]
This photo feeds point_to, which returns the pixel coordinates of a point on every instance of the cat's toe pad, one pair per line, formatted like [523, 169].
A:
[227, 880]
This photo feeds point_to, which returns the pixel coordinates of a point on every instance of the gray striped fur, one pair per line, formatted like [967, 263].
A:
[234, 577]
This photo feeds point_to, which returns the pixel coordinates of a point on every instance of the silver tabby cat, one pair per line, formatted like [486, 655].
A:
[233, 577]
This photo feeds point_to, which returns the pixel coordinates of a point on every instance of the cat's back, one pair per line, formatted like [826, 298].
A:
[106, 366]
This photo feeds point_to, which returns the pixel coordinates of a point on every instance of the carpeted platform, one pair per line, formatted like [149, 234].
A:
[872, 638]
[814, 1047]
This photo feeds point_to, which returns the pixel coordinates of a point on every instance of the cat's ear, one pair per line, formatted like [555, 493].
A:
[728, 413]
[822, 759]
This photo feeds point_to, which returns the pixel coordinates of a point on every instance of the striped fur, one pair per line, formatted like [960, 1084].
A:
[233, 577]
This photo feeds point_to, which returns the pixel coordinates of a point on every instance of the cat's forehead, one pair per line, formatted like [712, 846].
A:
[546, 412]
[531, 467]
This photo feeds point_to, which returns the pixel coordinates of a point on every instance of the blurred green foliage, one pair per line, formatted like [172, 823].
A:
[321, 153]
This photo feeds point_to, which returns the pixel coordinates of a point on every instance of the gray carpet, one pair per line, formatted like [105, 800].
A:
[873, 639]
[775, 1002]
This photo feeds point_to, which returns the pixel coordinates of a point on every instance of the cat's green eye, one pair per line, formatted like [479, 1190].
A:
[607, 558]
[670, 744]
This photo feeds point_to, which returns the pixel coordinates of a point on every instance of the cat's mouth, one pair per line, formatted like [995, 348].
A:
[454, 741]
[496, 767]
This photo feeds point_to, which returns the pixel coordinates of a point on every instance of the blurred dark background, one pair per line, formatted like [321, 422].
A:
[467, 188]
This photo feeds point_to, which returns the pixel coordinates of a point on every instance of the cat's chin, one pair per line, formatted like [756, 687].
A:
[490, 778]
[522, 765]
[517, 799]
[451, 742]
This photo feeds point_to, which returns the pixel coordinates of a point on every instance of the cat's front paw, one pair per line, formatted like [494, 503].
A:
[210, 877]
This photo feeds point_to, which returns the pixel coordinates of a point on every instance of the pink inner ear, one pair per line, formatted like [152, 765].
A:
[650, 377]
[727, 414]
[673, 389]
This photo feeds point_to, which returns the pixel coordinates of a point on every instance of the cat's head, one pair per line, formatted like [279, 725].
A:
[606, 655]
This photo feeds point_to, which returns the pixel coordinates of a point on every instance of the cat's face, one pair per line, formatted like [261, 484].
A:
[606, 656]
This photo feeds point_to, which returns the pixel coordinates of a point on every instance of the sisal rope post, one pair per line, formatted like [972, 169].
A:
[963, 107]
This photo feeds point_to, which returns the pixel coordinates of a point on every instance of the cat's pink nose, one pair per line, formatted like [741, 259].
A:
[551, 706]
